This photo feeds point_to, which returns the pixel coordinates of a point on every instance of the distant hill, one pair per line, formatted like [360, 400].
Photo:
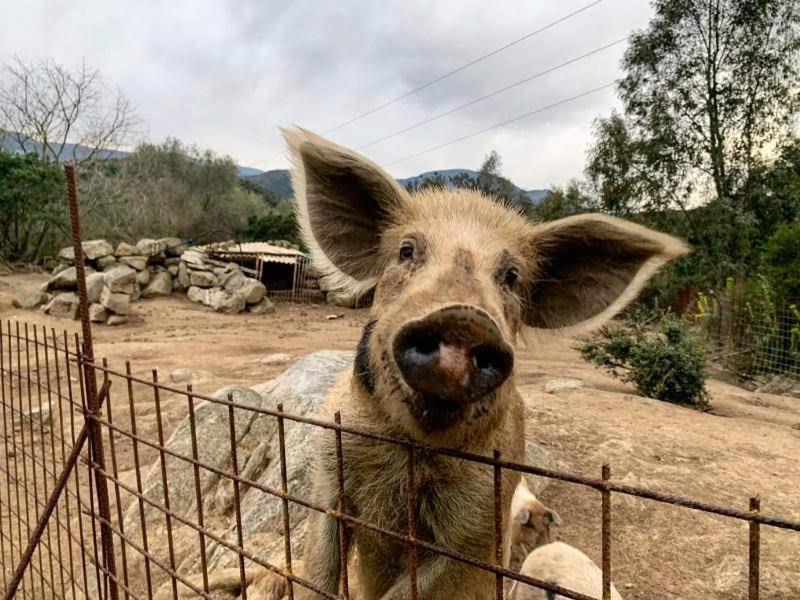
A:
[279, 182]
[9, 143]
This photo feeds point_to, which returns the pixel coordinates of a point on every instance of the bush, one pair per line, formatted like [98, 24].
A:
[782, 262]
[668, 364]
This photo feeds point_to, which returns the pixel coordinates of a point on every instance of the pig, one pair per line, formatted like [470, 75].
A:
[457, 279]
[563, 565]
[530, 524]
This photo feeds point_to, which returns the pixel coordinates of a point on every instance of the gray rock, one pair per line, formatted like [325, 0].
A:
[41, 414]
[63, 305]
[196, 294]
[280, 358]
[121, 279]
[212, 429]
[30, 300]
[202, 279]
[143, 277]
[125, 249]
[117, 320]
[194, 257]
[301, 389]
[106, 262]
[94, 286]
[115, 302]
[66, 279]
[232, 279]
[172, 246]
[183, 281]
[222, 301]
[264, 307]
[172, 270]
[181, 376]
[253, 291]
[98, 313]
[148, 247]
[560, 384]
[136, 262]
[92, 250]
[60, 267]
[160, 285]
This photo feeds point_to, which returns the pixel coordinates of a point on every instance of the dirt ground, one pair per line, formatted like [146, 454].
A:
[747, 445]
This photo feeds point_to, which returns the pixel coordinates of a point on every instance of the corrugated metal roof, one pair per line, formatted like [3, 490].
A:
[252, 248]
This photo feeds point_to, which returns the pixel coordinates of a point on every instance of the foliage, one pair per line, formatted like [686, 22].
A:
[272, 226]
[166, 189]
[709, 89]
[33, 215]
[563, 202]
[668, 363]
[782, 261]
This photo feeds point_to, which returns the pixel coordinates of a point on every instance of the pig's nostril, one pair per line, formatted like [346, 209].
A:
[493, 364]
[424, 342]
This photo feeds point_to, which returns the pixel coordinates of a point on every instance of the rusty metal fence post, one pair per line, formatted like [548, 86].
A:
[755, 551]
[97, 454]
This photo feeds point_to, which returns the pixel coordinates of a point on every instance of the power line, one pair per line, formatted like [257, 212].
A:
[462, 67]
[503, 123]
[492, 94]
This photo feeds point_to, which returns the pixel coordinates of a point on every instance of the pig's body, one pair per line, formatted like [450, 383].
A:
[376, 491]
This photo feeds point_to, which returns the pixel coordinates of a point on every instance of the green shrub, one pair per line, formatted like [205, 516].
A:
[782, 261]
[668, 363]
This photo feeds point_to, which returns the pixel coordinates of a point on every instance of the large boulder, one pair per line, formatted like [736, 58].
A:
[264, 307]
[160, 285]
[212, 428]
[226, 302]
[98, 313]
[204, 279]
[135, 262]
[125, 249]
[94, 286]
[301, 389]
[92, 250]
[65, 279]
[197, 294]
[194, 258]
[30, 300]
[121, 279]
[63, 305]
[148, 247]
[106, 262]
[183, 281]
[115, 302]
[172, 246]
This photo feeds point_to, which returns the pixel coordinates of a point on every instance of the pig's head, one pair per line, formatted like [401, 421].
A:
[457, 277]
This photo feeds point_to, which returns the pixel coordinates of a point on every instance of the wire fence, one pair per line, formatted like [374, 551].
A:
[753, 337]
[51, 497]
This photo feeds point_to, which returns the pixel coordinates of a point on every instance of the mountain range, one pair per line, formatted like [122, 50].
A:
[277, 181]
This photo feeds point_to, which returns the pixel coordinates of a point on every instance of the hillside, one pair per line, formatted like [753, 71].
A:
[279, 183]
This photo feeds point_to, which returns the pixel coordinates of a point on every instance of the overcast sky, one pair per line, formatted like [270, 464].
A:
[225, 75]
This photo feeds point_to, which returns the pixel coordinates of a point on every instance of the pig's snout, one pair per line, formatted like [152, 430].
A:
[456, 354]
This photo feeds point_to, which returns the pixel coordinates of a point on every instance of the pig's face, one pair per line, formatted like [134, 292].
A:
[456, 277]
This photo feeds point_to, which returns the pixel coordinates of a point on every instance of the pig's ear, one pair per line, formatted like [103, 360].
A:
[343, 204]
[589, 267]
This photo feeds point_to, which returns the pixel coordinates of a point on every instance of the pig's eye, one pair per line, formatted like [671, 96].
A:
[406, 251]
[510, 277]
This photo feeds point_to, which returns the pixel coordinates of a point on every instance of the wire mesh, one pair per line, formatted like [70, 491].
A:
[161, 546]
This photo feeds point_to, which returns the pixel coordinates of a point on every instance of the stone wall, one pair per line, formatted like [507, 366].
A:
[118, 277]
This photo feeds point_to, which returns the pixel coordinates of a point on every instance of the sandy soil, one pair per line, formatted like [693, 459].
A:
[748, 445]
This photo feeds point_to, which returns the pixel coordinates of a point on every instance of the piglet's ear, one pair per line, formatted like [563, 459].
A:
[589, 268]
[343, 204]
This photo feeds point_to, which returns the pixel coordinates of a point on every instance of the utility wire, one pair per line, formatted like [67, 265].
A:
[491, 94]
[504, 123]
[462, 67]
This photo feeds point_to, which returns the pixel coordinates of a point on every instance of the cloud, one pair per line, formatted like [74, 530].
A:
[225, 75]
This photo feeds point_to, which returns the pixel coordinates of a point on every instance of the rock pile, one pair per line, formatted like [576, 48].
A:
[116, 277]
[221, 286]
